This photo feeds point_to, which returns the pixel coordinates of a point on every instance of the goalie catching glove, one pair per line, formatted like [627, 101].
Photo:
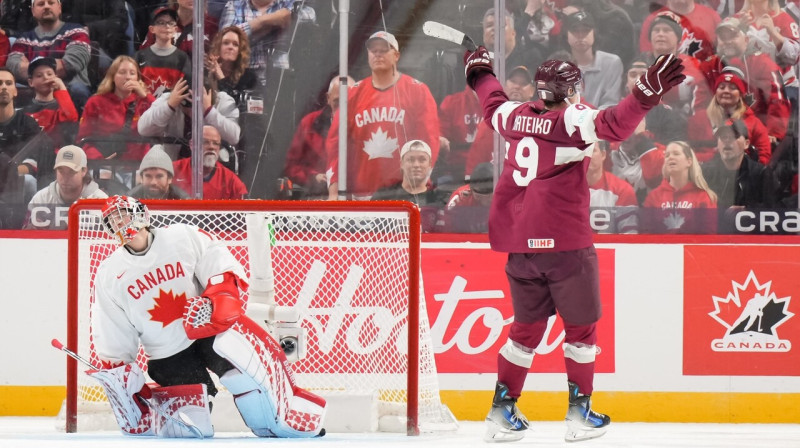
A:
[477, 62]
[664, 74]
[216, 309]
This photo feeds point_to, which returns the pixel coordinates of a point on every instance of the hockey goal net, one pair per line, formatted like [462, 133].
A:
[352, 270]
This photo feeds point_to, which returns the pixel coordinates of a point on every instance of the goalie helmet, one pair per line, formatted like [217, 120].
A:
[124, 217]
[557, 80]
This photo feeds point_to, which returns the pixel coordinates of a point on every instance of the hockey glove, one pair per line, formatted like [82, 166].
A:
[664, 74]
[477, 62]
[216, 310]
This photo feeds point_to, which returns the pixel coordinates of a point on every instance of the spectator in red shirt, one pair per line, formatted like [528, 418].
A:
[114, 112]
[163, 64]
[683, 203]
[467, 210]
[306, 159]
[459, 116]
[698, 22]
[218, 182]
[728, 103]
[52, 106]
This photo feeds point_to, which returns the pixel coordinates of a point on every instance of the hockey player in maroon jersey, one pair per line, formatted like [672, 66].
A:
[540, 216]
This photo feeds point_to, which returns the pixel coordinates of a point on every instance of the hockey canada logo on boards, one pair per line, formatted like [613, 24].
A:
[752, 314]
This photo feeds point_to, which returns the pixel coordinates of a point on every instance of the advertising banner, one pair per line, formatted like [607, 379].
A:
[739, 312]
[469, 305]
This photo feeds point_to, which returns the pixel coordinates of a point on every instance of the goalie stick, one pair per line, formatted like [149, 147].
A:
[178, 421]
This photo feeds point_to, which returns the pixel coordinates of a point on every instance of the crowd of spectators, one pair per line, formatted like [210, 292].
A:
[96, 98]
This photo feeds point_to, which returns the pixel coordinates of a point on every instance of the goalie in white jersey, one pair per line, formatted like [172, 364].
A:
[177, 291]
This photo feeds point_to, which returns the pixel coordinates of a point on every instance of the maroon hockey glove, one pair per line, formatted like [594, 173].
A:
[477, 62]
[664, 74]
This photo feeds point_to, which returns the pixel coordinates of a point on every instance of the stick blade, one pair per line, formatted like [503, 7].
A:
[450, 34]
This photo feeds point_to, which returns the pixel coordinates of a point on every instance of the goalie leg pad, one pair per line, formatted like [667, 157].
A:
[121, 385]
[188, 403]
[263, 384]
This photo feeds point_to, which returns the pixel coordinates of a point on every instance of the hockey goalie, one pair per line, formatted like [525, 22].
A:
[177, 291]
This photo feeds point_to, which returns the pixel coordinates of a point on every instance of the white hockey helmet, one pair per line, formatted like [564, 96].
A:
[124, 217]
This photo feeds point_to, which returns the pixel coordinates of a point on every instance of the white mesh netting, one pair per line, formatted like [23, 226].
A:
[347, 273]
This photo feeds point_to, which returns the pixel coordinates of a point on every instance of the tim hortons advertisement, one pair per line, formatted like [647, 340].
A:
[469, 305]
[740, 312]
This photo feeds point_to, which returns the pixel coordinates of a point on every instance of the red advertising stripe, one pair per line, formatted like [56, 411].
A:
[469, 305]
[739, 312]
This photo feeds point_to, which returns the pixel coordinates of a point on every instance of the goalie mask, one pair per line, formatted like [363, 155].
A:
[124, 217]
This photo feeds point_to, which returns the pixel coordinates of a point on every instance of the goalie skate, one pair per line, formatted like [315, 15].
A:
[582, 422]
[505, 423]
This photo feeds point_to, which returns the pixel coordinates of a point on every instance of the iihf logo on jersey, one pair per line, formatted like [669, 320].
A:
[752, 314]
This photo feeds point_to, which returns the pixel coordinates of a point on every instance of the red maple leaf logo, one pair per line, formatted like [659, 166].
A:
[168, 308]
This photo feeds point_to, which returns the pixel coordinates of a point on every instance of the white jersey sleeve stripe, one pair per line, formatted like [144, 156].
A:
[502, 113]
[579, 116]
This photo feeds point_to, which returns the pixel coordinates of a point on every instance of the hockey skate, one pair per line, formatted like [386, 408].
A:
[505, 423]
[582, 422]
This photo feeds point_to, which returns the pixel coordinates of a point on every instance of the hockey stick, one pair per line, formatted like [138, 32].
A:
[178, 421]
[450, 34]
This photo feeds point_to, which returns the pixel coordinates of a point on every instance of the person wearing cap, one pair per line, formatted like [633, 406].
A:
[156, 172]
[66, 42]
[49, 206]
[182, 31]
[602, 72]
[728, 103]
[518, 87]
[695, 30]
[219, 182]
[52, 108]
[266, 23]
[738, 180]
[692, 96]
[415, 164]
[163, 64]
[537, 25]
[614, 30]
[612, 201]
[762, 77]
[385, 110]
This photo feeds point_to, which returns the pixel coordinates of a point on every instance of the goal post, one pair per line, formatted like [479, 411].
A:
[351, 270]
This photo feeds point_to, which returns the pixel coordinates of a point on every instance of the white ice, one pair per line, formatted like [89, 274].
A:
[40, 432]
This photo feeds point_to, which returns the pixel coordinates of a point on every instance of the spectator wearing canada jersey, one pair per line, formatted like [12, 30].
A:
[728, 103]
[182, 35]
[163, 64]
[683, 203]
[697, 24]
[68, 43]
[765, 92]
[773, 32]
[218, 181]
[467, 210]
[51, 107]
[114, 111]
[693, 95]
[459, 116]
[306, 159]
[540, 216]
[612, 201]
[385, 110]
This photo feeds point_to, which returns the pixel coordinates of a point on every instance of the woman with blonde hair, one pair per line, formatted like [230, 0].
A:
[228, 61]
[728, 104]
[113, 112]
[683, 203]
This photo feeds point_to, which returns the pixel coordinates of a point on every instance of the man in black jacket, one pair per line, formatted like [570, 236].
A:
[739, 181]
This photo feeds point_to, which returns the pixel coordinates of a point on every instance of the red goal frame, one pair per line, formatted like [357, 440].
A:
[414, 237]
